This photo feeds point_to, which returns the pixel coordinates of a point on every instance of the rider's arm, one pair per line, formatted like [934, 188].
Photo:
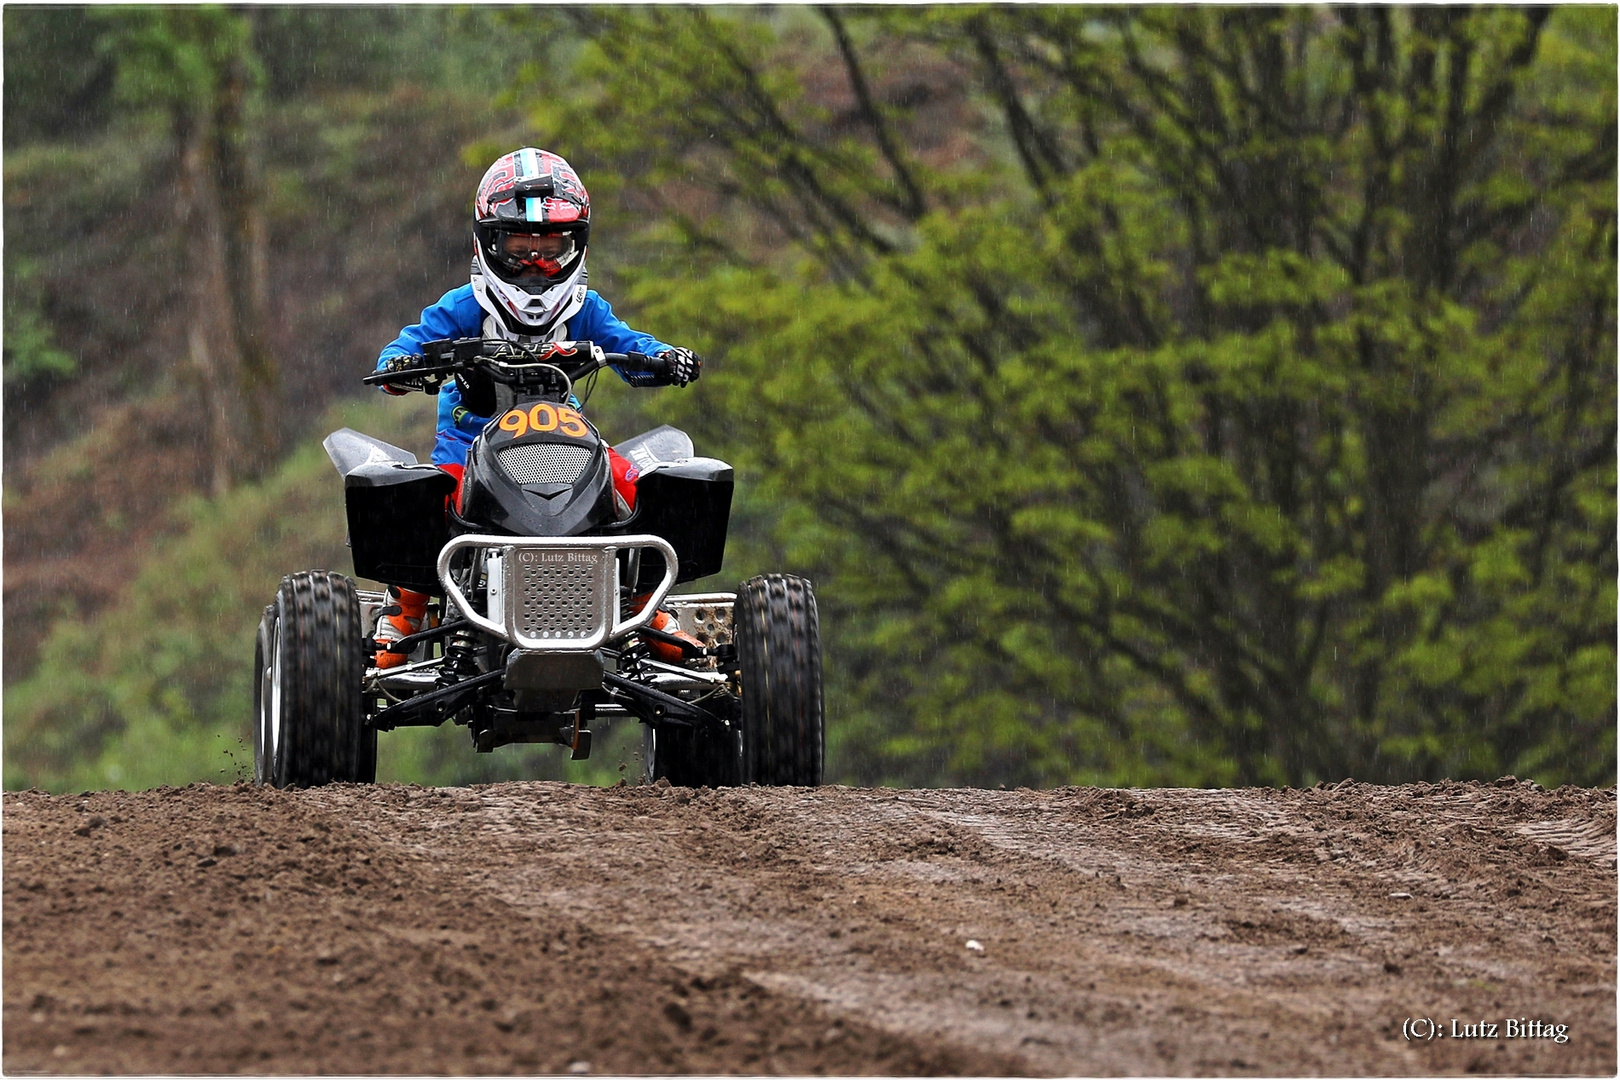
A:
[456, 315]
[596, 323]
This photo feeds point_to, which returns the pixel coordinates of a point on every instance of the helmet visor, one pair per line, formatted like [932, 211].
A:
[534, 254]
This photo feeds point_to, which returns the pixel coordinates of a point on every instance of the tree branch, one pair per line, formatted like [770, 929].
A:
[915, 205]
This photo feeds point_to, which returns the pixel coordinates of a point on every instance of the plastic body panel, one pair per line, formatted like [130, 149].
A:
[493, 500]
[688, 503]
[395, 510]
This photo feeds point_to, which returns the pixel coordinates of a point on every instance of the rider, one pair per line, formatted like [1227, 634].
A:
[531, 227]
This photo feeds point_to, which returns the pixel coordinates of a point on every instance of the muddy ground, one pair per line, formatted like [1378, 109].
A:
[540, 927]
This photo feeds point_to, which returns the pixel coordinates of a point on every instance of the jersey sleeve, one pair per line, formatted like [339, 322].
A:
[456, 315]
[596, 323]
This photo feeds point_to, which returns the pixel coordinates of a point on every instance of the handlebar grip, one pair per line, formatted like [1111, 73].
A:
[639, 362]
[407, 371]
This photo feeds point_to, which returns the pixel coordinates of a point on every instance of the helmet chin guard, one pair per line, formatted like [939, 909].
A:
[525, 312]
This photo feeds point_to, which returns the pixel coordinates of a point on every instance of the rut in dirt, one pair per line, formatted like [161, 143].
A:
[540, 927]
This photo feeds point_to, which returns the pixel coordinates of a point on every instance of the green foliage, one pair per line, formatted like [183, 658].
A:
[309, 49]
[156, 689]
[56, 329]
[70, 70]
[1251, 421]
[178, 58]
[31, 352]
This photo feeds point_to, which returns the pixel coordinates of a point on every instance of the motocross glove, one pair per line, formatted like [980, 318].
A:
[683, 365]
[394, 364]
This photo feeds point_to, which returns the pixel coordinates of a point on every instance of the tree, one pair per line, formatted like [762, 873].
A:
[59, 83]
[197, 65]
[1237, 404]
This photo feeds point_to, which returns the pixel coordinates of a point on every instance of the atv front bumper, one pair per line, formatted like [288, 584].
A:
[554, 595]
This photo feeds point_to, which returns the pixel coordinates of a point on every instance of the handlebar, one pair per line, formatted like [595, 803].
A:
[505, 362]
[501, 360]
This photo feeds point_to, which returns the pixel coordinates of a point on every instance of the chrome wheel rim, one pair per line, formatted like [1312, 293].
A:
[271, 696]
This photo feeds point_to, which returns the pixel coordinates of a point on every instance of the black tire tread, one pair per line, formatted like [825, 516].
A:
[779, 651]
[324, 737]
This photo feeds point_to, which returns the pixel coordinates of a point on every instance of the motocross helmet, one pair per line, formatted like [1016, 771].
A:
[531, 225]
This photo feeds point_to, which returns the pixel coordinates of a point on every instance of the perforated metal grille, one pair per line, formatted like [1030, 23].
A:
[709, 623]
[544, 463]
[559, 601]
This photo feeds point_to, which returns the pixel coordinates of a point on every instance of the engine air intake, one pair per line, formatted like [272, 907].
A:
[544, 463]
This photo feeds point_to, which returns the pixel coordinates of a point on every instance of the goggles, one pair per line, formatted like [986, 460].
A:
[539, 254]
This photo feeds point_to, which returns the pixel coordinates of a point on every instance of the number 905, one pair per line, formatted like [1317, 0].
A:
[544, 416]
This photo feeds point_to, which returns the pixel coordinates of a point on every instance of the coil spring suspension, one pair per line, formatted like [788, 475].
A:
[459, 652]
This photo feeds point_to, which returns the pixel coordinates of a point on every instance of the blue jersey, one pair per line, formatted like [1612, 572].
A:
[458, 315]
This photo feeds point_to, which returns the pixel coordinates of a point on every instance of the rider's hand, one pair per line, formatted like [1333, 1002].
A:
[684, 365]
[396, 364]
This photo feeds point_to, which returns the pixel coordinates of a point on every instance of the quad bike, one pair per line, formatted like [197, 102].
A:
[544, 590]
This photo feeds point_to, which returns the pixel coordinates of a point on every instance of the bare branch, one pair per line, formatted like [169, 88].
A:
[915, 205]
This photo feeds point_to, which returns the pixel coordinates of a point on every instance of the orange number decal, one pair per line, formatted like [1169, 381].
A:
[516, 422]
[543, 417]
[572, 423]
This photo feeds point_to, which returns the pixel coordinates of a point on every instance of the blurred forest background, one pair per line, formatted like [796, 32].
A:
[1182, 395]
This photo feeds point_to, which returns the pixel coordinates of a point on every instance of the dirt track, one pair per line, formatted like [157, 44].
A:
[538, 927]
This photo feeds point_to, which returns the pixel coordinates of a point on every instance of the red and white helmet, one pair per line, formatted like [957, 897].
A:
[531, 225]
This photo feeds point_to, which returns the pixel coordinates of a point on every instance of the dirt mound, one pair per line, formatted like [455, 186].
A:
[539, 927]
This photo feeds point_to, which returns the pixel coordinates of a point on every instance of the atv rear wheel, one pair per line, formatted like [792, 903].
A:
[307, 703]
[778, 640]
[687, 757]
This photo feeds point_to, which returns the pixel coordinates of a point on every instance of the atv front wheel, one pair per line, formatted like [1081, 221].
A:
[307, 704]
[266, 704]
[778, 638]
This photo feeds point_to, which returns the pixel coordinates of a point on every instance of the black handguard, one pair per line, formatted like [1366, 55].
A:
[477, 391]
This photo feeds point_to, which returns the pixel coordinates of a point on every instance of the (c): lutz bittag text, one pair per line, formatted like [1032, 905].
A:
[1423, 1029]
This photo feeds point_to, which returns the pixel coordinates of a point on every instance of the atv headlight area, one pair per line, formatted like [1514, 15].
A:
[556, 595]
